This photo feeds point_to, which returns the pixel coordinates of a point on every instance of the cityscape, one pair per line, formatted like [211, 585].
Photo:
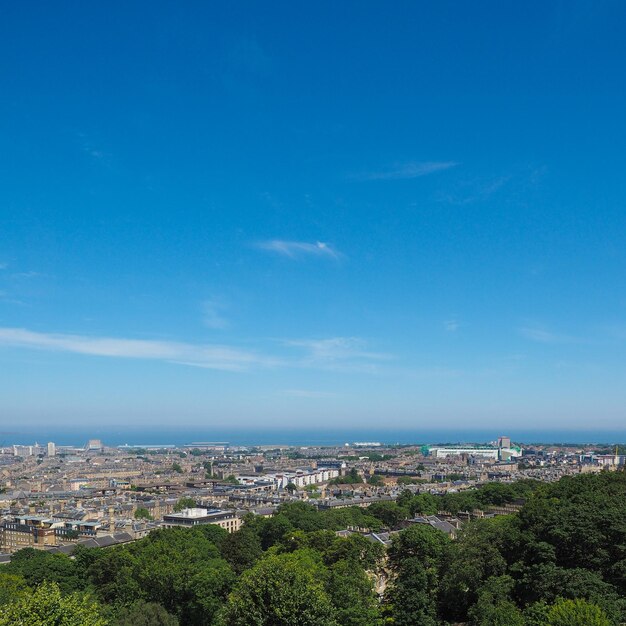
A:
[313, 314]
[56, 497]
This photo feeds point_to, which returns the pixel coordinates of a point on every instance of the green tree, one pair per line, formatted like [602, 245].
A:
[415, 556]
[208, 589]
[169, 567]
[411, 599]
[211, 532]
[576, 613]
[389, 513]
[354, 476]
[494, 606]
[476, 555]
[12, 587]
[355, 549]
[272, 529]
[35, 566]
[424, 504]
[142, 513]
[350, 591]
[280, 590]
[176, 467]
[241, 549]
[145, 614]
[46, 606]
[302, 516]
[184, 503]
[351, 478]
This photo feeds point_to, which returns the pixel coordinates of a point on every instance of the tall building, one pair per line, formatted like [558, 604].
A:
[504, 442]
[52, 449]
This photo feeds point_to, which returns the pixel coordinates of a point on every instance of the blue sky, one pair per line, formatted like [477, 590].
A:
[349, 214]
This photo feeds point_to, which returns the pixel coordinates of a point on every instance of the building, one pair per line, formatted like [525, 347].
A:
[52, 449]
[35, 531]
[196, 516]
[504, 442]
[487, 452]
[23, 451]
[17, 535]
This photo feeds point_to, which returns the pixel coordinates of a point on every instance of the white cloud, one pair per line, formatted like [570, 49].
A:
[544, 336]
[412, 169]
[208, 356]
[295, 249]
[341, 354]
[338, 353]
[212, 314]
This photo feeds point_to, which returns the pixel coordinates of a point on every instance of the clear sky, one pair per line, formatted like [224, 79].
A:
[345, 214]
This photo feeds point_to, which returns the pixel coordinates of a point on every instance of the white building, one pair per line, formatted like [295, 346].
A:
[228, 520]
[485, 452]
[481, 451]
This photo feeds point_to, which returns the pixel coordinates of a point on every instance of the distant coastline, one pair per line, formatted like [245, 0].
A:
[287, 437]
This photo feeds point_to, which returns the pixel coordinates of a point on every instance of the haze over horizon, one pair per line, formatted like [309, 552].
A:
[346, 216]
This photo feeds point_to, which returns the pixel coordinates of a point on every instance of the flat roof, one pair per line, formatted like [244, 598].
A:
[197, 513]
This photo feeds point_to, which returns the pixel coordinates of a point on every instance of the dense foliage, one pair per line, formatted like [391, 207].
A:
[560, 561]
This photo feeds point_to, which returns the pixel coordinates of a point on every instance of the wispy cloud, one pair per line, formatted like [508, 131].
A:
[541, 335]
[294, 249]
[412, 169]
[346, 354]
[451, 326]
[212, 314]
[468, 192]
[338, 353]
[5, 297]
[208, 356]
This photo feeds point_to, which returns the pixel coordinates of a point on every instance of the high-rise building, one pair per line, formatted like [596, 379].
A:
[504, 442]
[52, 449]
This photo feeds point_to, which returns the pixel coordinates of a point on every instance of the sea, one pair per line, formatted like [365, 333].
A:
[119, 436]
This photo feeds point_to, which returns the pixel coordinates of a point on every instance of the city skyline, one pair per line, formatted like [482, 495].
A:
[344, 217]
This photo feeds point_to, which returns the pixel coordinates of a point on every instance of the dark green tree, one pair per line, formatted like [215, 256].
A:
[350, 591]
[145, 614]
[35, 566]
[415, 556]
[241, 549]
[494, 606]
[280, 590]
